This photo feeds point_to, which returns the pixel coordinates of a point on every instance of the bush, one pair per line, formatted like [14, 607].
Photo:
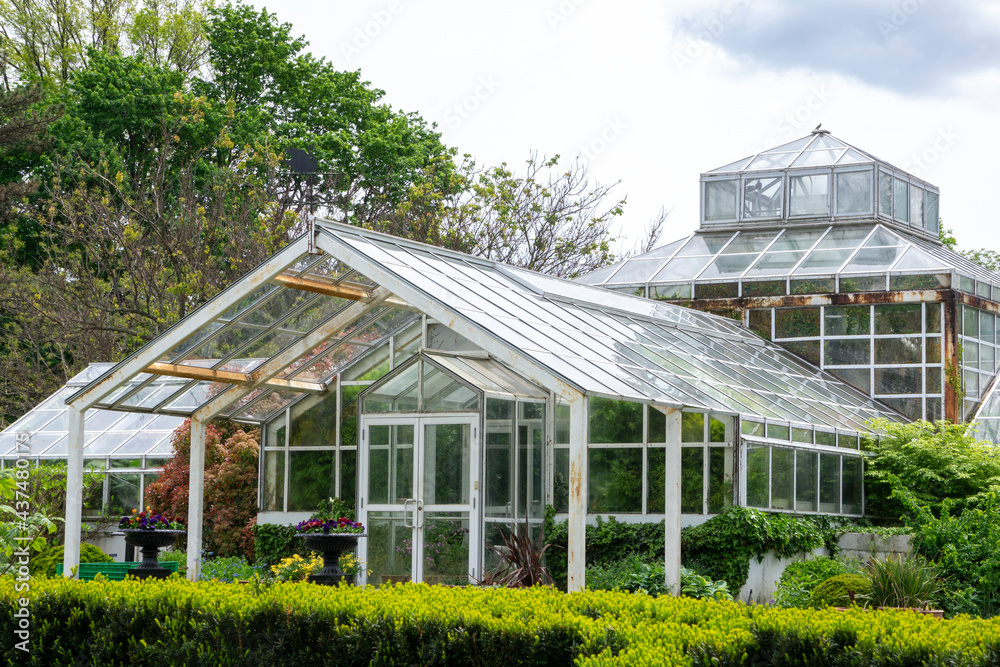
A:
[836, 591]
[633, 575]
[799, 579]
[176, 622]
[44, 564]
[275, 542]
[233, 568]
[898, 581]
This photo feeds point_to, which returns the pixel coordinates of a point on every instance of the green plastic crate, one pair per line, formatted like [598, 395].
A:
[112, 571]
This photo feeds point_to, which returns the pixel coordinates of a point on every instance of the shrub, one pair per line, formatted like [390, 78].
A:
[44, 564]
[836, 591]
[274, 542]
[902, 581]
[633, 575]
[233, 568]
[296, 568]
[799, 579]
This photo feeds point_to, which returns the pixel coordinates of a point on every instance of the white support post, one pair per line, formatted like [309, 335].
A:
[672, 503]
[74, 493]
[196, 499]
[576, 558]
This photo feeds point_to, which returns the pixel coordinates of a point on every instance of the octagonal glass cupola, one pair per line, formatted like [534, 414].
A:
[817, 177]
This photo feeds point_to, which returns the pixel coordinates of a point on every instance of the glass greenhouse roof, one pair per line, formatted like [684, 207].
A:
[877, 256]
[817, 150]
[986, 423]
[261, 339]
[107, 433]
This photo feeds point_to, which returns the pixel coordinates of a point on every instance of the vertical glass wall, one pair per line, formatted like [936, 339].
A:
[980, 358]
[892, 352]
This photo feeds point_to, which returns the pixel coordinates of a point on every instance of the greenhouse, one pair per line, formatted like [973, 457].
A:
[834, 255]
[450, 394]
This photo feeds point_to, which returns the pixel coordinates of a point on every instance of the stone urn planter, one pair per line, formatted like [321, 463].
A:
[331, 545]
[150, 542]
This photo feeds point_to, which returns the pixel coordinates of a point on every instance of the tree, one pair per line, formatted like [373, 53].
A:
[231, 456]
[988, 259]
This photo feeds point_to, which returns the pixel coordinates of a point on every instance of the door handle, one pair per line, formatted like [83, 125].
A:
[420, 512]
[406, 513]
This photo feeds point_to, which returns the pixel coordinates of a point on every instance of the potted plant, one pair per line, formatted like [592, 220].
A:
[150, 531]
[331, 531]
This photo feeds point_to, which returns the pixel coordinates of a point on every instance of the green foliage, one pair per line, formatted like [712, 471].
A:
[723, 546]
[799, 579]
[233, 568]
[935, 461]
[836, 591]
[274, 542]
[966, 547]
[332, 509]
[903, 581]
[44, 564]
[633, 575]
[703, 588]
[176, 622]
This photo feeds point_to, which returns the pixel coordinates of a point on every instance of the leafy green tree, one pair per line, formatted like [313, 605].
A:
[934, 461]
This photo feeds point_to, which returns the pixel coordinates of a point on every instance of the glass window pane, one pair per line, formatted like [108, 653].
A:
[807, 349]
[561, 483]
[854, 193]
[441, 392]
[782, 478]
[847, 352]
[916, 206]
[826, 438]
[762, 197]
[390, 467]
[717, 429]
[898, 318]
[314, 422]
[562, 422]
[615, 422]
[898, 380]
[812, 286]
[856, 377]
[852, 485]
[349, 415]
[898, 350]
[885, 194]
[692, 427]
[931, 214]
[614, 479]
[764, 288]
[720, 479]
[900, 197]
[987, 327]
[796, 322]
[847, 320]
[720, 199]
[349, 477]
[777, 431]
[829, 483]
[657, 425]
[499, 455]
[447, 460]
[310, 479]
[274, 481]
[692, 480]
[809, 195]
[656, 479]
[933, 350]
[123, 492]
[805, 481]
[757, 476]
[760, 322]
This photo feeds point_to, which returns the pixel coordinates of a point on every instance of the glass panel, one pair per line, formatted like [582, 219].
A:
[873, 259]
[655, 479]
[987, 327]
[807, 349]
[657, 425]
[562, 422]
[681, 268]
[848, 441]
[932, 380]
[854, 193]
[826, 438]
[847, 352]
[852, 485]
[805, 481]
[757, 476]
[777, 431]
[670, 291]
[397, 394]
[796, 239]
[716, 291]
[764, 288]
[499, 452]
[898, 318]
[717, 429]
[809, 195]
[274, 481]
[561, 481]
[898, 350]
[847, 320]
[862, 284]
[762, 197]
[796, 322]
[390, 549]
[390, 467]
[817, 158]
[349, 477]
[775, 264]
[349, 415]
[773, 159]
[782, 478]
[720, 479]
[900, 199]
[760, 322]
[443, 393]
[856, 377]
[705, 244]
[933, 318]
[931, 215]
[530, 441]
[885, 194]
[446, 548]
[447, 456]
[692, 480]
[310, 479]
[813, 286]
[917, 282]
[728, 265]
[750, 427]
[824, 261]
[843, 237]
[314, 422]
[123, 492]
[916, 206]
[615, 422]
[749, 241]
[802, 435]
[615, 479]
[692, 427]
[829, 483]
[720, 199]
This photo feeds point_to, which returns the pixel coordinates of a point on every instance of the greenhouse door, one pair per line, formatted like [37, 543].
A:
[419, 479]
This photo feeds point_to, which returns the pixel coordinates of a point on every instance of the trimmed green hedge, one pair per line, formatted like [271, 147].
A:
[175, 622]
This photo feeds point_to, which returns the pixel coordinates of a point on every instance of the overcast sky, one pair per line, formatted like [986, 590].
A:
[654, 93]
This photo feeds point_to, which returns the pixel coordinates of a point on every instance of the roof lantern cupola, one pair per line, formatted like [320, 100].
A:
[813, 179]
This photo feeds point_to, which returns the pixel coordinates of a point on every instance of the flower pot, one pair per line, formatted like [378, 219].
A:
[331, 545]
[149, 542]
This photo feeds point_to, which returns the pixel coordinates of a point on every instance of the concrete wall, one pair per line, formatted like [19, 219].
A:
[763, 578]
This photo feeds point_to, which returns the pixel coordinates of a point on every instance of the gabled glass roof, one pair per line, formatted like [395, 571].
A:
[819, 149]
[796, 253]
[107, 433]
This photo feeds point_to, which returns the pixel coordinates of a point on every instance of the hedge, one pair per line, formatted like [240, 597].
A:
[176, 622]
